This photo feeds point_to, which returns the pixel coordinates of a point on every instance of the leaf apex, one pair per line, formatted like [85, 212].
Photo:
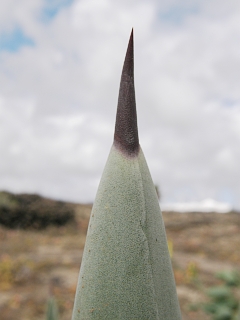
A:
[126, 130]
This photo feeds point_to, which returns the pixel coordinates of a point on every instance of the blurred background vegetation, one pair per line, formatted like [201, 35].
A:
[42, 241]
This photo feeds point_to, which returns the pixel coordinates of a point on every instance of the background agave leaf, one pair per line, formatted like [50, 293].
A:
[52, 309]
[126, 270]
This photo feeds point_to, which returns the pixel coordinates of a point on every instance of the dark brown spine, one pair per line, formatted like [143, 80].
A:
[126, 130]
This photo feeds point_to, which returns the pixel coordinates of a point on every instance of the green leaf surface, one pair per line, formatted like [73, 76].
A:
[52, 309]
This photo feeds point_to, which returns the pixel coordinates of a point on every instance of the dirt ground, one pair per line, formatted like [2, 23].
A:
[33, 263]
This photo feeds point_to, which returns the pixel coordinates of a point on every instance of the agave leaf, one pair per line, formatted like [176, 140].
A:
[52, 309]
[126, 271]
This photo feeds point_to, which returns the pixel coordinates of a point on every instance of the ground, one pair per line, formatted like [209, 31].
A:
[35, 264]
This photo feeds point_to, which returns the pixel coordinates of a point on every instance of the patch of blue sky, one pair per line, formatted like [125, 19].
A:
[176, 15]
[226, 194]
[52, 7]
[228, 102]
[13, 41]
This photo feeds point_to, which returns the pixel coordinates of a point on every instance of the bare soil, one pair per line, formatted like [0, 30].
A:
[33, 263]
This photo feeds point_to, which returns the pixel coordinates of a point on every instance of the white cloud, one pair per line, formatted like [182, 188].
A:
[58, 98]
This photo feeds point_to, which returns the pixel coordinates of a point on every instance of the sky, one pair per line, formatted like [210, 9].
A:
[60, 68]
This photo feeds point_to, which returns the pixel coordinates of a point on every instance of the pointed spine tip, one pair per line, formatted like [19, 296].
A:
[126, 130]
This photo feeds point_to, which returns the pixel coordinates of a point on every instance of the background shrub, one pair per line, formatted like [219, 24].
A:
[33, 211]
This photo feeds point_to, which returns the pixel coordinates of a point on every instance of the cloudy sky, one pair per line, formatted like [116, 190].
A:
[60, 67]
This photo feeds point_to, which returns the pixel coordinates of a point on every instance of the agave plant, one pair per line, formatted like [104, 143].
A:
[126, 271]
[52, 309]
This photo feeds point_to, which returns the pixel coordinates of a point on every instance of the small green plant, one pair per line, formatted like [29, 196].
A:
[191, 273]
[52, 309]
[6, 272]
[170, 247]
[224, 304]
